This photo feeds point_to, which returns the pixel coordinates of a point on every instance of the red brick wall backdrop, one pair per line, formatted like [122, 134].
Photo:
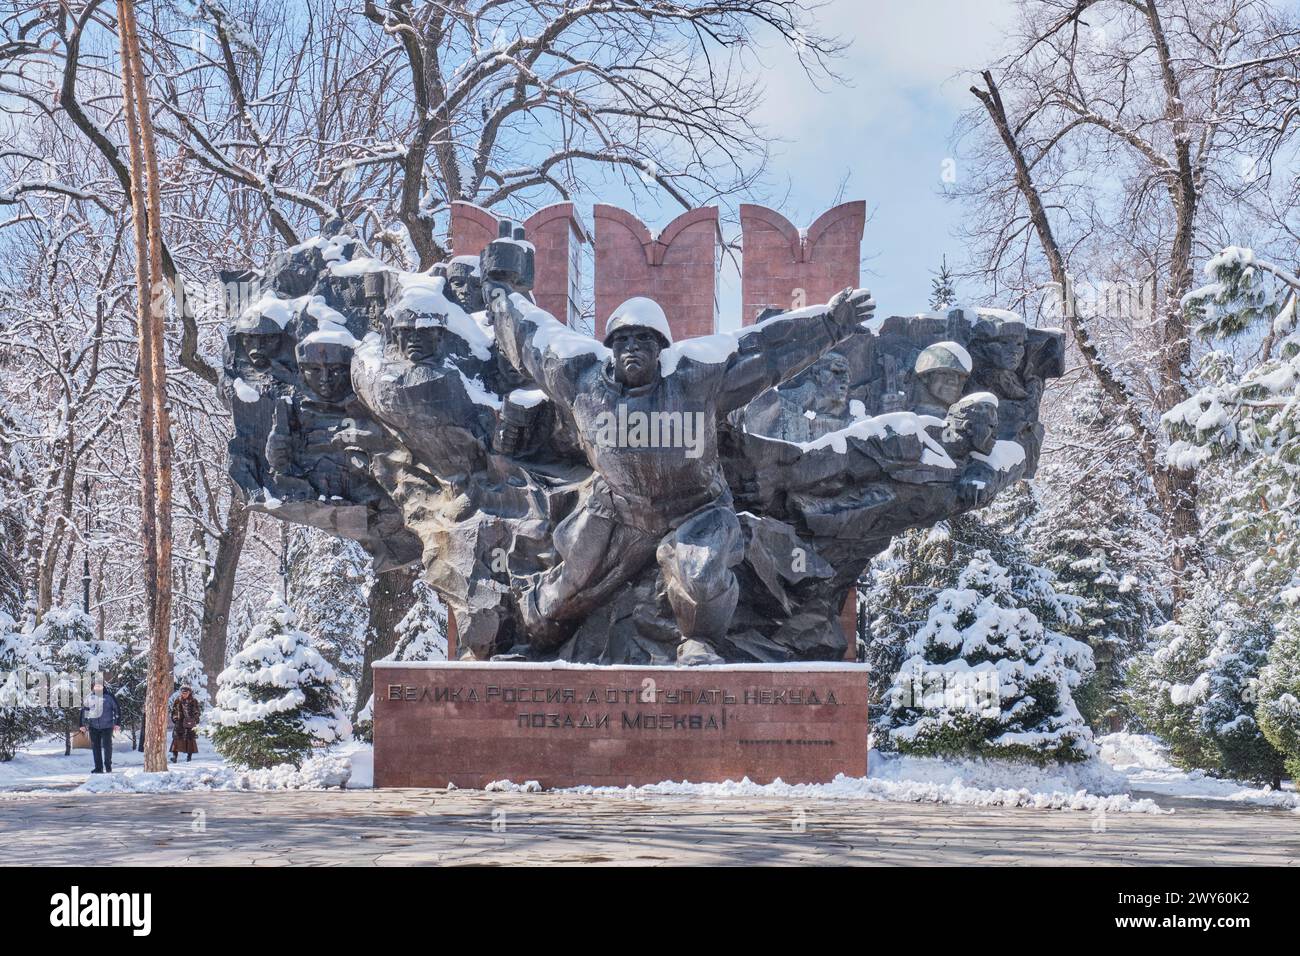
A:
[552, 230]
[472, 228]
[678, 269]
[779, 262]
[784, 269]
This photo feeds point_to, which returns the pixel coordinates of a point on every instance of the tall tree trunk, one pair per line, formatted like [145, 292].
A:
[219, 591]
[392, 595]
[156, 441]
[1175, 489]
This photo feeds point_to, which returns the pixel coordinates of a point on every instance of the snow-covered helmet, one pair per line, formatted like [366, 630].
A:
[943, 355]
[256, 322]
[323, 350]
[640, 312]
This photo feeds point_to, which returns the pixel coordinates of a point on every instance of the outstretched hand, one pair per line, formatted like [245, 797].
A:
[851, 307]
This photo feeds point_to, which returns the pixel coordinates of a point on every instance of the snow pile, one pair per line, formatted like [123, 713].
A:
[1125, 751]
[922, 780]
[505, 786]
[321, 772]
[246, 392]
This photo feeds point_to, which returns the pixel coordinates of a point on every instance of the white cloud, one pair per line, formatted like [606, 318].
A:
[899, 51]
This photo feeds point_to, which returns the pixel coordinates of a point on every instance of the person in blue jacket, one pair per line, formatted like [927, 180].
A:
[100, 717]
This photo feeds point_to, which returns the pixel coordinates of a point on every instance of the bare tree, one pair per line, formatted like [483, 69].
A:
[271, 118]
[1107, 148]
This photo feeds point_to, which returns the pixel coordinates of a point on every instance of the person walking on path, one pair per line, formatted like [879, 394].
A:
[101, 718]
[185, 723]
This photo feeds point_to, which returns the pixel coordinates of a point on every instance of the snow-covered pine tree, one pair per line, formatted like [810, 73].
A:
[1278, 708]
[20, 723]
[130, 679]
[13, 518]
[1241, 431]
[187, 671]
[1196, 687]
[421, 636]
[1096, 529]
[964, 655]
[943, 288]
[279, 697]
[329, 579]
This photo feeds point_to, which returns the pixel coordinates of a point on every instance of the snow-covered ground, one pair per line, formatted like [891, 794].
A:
[1144, 763]
[1133, 775]
[44, 767]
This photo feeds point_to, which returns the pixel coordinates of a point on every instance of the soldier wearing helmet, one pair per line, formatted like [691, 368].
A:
[940, 375]
[667, 503]
[258, 341]
[997, 344]
[463, 285]
[420, 338]
[314, 434]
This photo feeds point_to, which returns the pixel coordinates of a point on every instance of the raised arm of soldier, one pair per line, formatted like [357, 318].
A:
[531, 340]
[781, 347]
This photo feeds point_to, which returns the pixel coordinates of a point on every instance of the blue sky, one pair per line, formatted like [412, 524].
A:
[888, 132]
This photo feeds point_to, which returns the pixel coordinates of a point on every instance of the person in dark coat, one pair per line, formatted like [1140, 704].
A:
[185, 723]
[101, 718]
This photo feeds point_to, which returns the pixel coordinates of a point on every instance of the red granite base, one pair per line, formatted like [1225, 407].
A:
[469, 724]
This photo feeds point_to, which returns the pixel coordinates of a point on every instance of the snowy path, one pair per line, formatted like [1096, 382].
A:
[407, 827]
[44, 766]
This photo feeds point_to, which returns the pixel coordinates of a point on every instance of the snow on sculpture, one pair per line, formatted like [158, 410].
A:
[632, 500]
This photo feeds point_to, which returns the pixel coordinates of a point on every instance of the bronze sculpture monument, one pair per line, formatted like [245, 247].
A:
[631, 500]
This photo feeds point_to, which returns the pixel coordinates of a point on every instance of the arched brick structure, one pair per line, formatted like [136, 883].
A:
[677, 268]
[558, 234]
[785, 268]
[554, 230]
[472, 228]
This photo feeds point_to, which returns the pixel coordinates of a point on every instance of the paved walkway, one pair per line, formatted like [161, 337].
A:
[407, 827]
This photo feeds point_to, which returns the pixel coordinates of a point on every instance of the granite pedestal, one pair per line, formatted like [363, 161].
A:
[472, 723]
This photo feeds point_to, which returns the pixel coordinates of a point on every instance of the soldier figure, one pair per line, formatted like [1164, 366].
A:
[969, 434]
[665, 500]
[998, 347]
[258, 340]
[311, 434]
[463, 285]
[941, 373]
[812, 404]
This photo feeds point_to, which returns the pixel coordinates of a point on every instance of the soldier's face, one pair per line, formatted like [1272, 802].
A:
[979, 426]
[418, 345]
[1005, 352]
[832, 378]
[260, 349]
[465, 291]
[332, 382]
[636, 356]
[945, 384]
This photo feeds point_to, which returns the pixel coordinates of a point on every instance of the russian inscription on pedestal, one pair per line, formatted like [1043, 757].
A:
[469, 724]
